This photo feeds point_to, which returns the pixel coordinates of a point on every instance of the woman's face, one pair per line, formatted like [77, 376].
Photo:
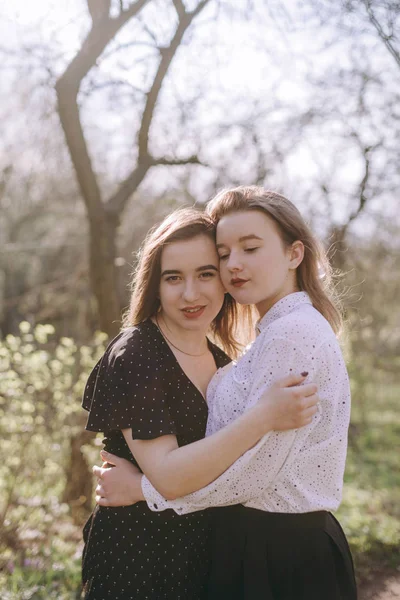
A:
[255, 266]
[191, 292]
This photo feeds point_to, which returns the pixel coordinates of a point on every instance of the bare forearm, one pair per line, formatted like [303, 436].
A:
[194, 466]
[176, 472]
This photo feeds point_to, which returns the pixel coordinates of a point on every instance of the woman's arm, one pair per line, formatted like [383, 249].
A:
[254, 471]
[296, 455]
[177, 471]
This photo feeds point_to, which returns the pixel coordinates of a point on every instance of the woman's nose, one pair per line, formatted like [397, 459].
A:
[234, 263]
[191, 291]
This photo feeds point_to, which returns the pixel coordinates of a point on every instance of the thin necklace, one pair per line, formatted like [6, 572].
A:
[173, 345]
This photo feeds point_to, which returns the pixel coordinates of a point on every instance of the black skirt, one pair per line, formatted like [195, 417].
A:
[258, 555]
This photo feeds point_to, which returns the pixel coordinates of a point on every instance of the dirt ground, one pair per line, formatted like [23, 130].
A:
[382, 586]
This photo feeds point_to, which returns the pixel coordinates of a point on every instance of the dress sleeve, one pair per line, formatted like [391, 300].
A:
[255, 470]
[126, 389]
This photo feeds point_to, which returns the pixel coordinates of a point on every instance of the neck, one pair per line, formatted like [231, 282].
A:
[191, 341]
[265, 305]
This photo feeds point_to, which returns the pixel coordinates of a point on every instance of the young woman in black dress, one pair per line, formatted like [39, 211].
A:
[147, 394]
[274, 537]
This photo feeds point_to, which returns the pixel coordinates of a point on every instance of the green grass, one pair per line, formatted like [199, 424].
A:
[44, 568]
[58, 580]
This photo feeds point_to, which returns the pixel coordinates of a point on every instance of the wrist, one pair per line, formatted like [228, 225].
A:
[135, 488]
[259, 416]
[139, 491]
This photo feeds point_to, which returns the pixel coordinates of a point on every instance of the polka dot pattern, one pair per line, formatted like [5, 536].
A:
[131, 552]
[294, 471]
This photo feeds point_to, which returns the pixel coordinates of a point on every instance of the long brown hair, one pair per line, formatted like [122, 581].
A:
[314, 274]
[182, 224]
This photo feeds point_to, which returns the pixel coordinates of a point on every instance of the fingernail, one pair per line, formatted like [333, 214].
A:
[304, 373]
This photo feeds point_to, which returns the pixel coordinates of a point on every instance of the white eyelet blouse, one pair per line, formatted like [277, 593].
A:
[292, 471]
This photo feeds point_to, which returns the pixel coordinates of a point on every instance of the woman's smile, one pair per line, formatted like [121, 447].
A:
[193, 312]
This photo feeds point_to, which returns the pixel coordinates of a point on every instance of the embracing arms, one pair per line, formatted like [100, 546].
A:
[175, 471]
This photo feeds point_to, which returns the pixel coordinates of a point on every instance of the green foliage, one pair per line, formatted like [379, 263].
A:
[370, 511]
[41, 385]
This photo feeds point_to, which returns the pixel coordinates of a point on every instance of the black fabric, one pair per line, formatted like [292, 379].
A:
[131, 552]
[273, 556]
[130, 386]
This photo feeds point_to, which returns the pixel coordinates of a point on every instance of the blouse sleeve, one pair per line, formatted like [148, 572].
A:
[126, 389]
[255, 470]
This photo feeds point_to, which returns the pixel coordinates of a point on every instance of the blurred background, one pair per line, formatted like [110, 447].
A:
[113, 113]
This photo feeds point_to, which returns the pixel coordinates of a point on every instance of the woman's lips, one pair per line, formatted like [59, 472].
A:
[193, 312]
[238, 282]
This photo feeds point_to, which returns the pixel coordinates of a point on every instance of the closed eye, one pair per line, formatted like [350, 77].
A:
[251, 249]
[224, 257]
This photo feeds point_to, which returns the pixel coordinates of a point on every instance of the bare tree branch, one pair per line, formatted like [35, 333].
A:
[191, 160]
[67, 88]
[179, 7]
[385, 38]
[338, 236]
[149, 32]
[199, 8]
[117, 202]
[363, 186]
[362, 198]
[117, 83]
[98, 9]
[127, 45]
[93, 46]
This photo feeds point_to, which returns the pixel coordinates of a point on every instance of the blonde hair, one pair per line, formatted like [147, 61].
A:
[182, 224]
[314, 274]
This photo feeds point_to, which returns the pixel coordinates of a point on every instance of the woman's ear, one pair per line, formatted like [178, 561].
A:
[296, 254]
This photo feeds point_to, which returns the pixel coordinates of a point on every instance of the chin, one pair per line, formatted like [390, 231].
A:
[195, 324]
[242, 298]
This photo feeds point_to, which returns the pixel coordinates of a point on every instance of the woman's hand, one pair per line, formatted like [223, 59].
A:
[289, 405]
[119, 481]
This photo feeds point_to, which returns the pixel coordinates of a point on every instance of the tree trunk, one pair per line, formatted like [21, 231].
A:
[78, 492]
[102, 225]
[103, 273]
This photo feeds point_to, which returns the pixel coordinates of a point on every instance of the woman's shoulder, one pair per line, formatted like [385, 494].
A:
[126, 389]
[137, 340]
[303, 327]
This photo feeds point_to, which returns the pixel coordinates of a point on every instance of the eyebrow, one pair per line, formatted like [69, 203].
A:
[244, 238]
[198, 270]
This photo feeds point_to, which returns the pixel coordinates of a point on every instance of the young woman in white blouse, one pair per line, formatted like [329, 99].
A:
[274, 535]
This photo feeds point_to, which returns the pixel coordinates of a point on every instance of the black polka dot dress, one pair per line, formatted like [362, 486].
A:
[131, 552]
